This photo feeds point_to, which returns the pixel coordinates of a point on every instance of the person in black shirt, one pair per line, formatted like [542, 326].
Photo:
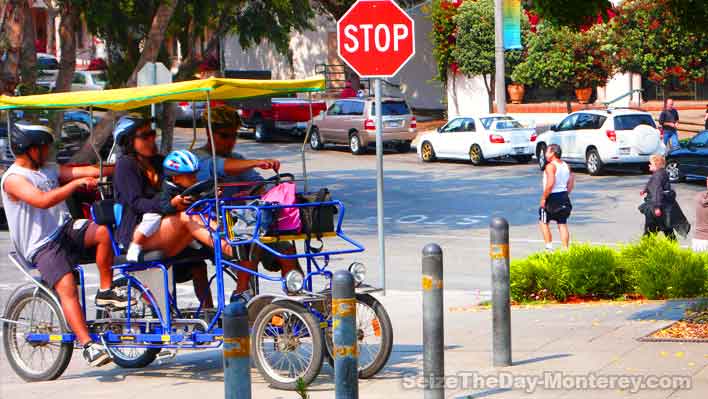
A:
[657, 199]
[668, 119]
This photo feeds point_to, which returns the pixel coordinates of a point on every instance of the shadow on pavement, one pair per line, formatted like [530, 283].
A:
[541, 359]
[671, 310]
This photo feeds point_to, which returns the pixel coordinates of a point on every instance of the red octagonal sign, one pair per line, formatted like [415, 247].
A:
[375, 38]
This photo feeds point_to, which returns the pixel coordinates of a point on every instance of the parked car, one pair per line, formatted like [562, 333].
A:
[597, 138]
[690, 161]
[352, 121]
[279, 115]
[88, 80]
[185, 112]
[478, 139]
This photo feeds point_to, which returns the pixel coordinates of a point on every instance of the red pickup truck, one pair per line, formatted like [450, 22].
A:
[281, 115]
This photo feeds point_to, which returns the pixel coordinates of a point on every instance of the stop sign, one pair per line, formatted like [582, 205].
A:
[375, 38]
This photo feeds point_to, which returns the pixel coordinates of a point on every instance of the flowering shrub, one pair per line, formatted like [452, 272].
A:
[443, 35]
[647, 37]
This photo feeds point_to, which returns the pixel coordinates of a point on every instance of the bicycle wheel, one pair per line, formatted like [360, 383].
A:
[133, 357]
[33, 311]
[374, 336]
[287, 344]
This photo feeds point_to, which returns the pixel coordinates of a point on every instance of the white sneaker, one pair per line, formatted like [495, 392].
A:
[133, 254]
[96, 354]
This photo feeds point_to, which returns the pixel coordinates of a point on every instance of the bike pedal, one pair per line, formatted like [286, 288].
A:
[165, 356]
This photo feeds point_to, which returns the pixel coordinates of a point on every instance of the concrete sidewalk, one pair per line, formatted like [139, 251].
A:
[587, 340]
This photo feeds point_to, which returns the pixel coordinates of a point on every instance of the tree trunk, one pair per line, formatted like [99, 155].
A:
[153, 42]
[28, 52]
[167, 125]
[12, 31]
[52, 13]
[490, 91]
[67, 33]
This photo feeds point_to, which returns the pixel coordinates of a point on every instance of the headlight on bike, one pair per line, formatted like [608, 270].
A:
[358, 270]
[294, 281]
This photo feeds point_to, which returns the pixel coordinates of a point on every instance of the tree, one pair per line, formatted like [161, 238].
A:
[474, 52]
[648, 37]
[572, 13]
[17, 43]
[560, 57]
[69, 11]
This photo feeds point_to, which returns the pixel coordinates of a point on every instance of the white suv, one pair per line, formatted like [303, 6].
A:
[596, 138]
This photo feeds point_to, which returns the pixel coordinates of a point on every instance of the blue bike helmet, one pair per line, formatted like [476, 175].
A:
[126, 126]
[25, 135]
[180, 162]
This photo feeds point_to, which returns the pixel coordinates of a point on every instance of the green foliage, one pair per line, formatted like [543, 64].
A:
[443, 35]
[572, 13]
[301, 388]
[649, 37]
[654, 267]
[474, 49]
[560, 57]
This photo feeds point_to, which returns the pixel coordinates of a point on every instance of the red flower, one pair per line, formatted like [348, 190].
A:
[655, 24]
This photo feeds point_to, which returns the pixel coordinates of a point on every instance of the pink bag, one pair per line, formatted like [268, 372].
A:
[288, 218]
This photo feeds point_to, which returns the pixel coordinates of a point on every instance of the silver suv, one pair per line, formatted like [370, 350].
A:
[352, 121]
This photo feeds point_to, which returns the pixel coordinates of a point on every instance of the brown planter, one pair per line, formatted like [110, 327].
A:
[516, 92]
[583, 94]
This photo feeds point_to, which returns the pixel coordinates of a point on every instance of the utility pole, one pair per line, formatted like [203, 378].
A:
[500, 87]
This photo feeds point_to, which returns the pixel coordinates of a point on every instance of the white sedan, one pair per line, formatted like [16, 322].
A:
[479, 138]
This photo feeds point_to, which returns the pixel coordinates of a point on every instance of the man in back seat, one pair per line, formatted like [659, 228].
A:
[43, 232]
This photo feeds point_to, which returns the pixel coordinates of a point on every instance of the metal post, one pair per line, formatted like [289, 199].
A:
[501, 302]
[153, 110]
[237, 363]
[346, 353]
[380, 185]
[433, 328]
[213, 163]
[194, 126]
[304, 144]
[500, 87]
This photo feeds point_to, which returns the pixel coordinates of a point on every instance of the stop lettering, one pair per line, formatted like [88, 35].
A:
[375, 38]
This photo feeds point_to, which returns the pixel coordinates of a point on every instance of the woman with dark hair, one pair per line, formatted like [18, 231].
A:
[137, 179]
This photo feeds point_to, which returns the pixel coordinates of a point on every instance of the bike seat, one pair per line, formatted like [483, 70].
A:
[145, 257]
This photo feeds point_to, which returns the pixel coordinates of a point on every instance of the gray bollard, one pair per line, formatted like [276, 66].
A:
[433, 328]
[346, 352]
[237, 361]
[501, 301]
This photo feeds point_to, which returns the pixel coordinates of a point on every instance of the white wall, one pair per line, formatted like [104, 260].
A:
[309, 49]
[466, 96]
[618, 85]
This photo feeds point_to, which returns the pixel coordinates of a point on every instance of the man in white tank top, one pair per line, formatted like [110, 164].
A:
[42, 231]
[558, 182]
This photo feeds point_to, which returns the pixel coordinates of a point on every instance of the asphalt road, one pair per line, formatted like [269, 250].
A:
[449, 203]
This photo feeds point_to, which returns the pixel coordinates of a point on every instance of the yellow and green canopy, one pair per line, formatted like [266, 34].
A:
[136, 97]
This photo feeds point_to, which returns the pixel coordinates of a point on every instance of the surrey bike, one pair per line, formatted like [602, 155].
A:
[290, 331]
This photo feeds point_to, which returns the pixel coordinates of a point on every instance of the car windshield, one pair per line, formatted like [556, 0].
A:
[629, 122]
[47, 63]
[504, 122]
[100, 78]
[392, 108]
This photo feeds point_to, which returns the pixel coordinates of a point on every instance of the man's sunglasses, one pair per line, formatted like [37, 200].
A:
[146, 135]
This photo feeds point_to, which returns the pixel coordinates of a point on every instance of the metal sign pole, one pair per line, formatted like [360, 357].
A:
[213, 162]
[380, 185]
[307, 138]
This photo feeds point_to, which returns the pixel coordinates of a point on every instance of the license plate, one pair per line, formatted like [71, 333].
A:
[624, 151]
[398, 123]
[519, 150]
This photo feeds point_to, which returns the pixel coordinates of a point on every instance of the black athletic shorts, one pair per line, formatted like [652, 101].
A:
[59, 256]
[558, 208]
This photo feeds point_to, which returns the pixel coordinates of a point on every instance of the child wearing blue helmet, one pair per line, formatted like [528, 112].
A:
[180, 169]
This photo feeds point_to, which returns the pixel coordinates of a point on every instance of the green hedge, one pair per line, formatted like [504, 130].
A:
[654, 267]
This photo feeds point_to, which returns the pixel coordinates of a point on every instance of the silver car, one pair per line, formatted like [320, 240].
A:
[352, 121]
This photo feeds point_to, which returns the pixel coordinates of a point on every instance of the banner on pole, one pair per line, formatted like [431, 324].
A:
[512, 24]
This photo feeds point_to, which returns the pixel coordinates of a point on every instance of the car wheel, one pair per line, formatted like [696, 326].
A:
[355, 144]
[476, 156]
[316, 139]
[427, 154]
[674, 172]
[593, 163]
[541, 156]
[261, 132]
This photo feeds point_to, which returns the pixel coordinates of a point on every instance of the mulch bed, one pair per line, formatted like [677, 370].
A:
[693, 328]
